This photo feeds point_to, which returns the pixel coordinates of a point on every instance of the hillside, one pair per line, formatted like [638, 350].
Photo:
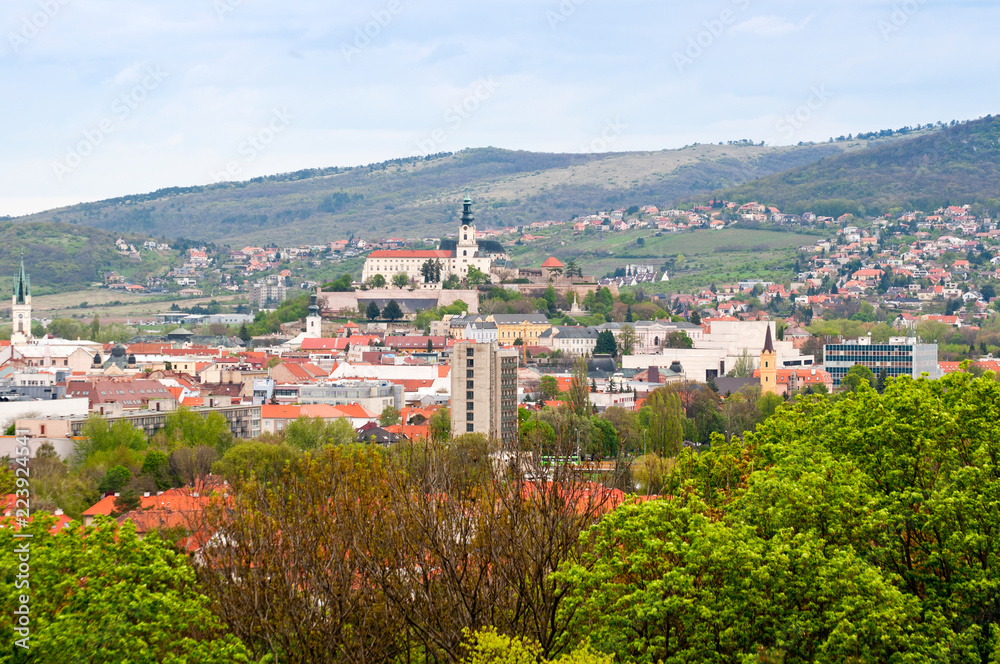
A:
[957, 165]
[420, 196]
[61, 256]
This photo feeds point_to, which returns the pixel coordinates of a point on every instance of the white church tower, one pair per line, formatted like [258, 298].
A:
[314, 322]
[467, 245]
[20, 308]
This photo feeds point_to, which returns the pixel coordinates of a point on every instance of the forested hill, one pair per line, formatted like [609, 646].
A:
[59, 256]
[421, 195]
[959, 164]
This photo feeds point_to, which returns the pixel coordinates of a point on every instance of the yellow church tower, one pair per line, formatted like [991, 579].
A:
[768, 366]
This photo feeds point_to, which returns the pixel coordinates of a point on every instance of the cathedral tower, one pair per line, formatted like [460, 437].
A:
[20, 308]
[467, 245]
[314, 321]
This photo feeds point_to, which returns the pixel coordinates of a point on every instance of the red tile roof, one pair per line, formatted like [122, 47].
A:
[409, 253]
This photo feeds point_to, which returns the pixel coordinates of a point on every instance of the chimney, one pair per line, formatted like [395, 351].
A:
[58, 512]
[654, 374]
[145, 495]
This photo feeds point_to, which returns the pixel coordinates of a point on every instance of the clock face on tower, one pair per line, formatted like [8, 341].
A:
[20, 315]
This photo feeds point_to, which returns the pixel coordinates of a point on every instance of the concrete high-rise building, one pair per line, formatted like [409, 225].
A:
[484, 391]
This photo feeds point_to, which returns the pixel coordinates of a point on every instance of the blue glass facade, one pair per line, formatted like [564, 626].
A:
[898, 359]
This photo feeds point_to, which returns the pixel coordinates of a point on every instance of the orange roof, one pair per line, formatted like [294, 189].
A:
[552, 261]
[411, 431]
[357, 411]
[324, 410]
[182, 500]
[270, 411]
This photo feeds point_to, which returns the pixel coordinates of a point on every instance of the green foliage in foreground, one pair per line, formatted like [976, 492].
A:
[861, 529]
[103, 595]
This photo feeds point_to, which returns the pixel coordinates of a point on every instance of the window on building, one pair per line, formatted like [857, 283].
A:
[469, 427]
[469, 416]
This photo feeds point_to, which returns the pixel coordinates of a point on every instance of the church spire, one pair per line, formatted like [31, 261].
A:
[22, 285]
[467, 216]
[768, 346]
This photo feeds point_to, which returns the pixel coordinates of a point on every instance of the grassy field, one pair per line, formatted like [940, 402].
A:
[108, 304]
[701, 257]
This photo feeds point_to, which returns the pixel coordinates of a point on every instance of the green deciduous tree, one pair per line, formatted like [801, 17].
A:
[857, 376]
[476, 277]
[549, 387]
[388, 417]
[626, 340]
[665, 581]
[440, 425]
[254, 458]
[744, 366]
[103, 595]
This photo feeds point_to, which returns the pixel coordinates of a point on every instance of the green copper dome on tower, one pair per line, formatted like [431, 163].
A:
[467, 216]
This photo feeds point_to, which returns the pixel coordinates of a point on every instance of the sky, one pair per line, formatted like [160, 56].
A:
[104, 98]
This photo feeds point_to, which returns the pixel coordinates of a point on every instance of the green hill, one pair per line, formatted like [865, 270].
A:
[959, 164]
[420, 195]
[63, 257]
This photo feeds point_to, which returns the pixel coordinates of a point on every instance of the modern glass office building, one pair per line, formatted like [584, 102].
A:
[902, 356]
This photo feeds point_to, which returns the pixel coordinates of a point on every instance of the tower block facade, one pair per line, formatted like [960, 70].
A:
[20, 308]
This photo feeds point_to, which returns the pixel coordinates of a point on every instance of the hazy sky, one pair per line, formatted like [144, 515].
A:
[109, 97]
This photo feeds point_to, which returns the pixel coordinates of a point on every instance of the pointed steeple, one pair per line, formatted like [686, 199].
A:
[467, 216]
[22, 285]
[768, 346]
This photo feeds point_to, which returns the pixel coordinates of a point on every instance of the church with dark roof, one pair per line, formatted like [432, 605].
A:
[431, 267]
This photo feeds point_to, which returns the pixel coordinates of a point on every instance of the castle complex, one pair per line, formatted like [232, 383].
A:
[451, 257]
